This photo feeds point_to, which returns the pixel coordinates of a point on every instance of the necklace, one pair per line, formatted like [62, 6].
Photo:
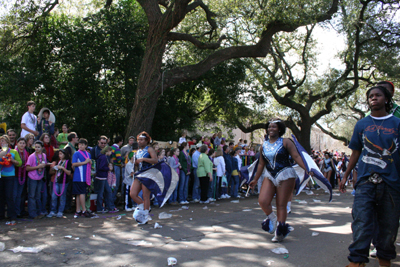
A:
[377, 128]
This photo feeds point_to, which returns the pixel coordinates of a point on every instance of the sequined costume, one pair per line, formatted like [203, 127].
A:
[277, 161]
[143, 153]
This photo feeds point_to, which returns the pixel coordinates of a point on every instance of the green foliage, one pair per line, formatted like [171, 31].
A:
[203, 101]
[84, 70]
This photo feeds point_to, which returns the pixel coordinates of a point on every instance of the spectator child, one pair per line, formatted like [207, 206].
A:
[35, 166]
[81, 164]
[20, 172]
[128, 180]
[62, 177]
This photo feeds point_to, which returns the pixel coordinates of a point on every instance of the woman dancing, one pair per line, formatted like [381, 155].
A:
[145, 157]
[281, 176]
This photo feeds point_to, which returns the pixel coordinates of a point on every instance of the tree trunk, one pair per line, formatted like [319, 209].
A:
[149, 84]
[305, 135]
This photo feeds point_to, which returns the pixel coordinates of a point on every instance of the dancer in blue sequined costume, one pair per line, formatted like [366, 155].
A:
[274, 164]
[145, 157]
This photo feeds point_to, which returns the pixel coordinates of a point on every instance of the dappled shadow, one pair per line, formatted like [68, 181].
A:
[223, 234]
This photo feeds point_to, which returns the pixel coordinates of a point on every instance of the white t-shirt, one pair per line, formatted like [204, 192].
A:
[30, 121]
[182, 139]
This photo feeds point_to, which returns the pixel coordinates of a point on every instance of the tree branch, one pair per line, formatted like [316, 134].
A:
[340, 138]
[260, 49]
[176, 36]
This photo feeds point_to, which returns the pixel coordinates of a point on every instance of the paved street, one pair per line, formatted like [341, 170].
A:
[220, 234]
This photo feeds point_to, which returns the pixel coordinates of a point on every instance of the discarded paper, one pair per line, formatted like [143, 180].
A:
[164, 215]
[26, 249]
[172, 261]
[157, 226]
[139, 243]
[314, 234]
[280, 251]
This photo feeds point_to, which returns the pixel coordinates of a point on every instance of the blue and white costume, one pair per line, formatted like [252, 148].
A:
[143, 153]
[277, 162]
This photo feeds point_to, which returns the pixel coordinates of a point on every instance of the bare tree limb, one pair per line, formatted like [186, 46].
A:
[260, 49]
[176, 36]
[340, 138]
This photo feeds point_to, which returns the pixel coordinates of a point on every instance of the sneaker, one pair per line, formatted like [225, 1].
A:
[222, 196]
[87, 214]
[270, 223]
[43, 213]
[103, 211]
[186, 202]
[204, 202]
[282, 231]
[51, 214]
[373, 253]
[227, 196]
[211, 199]
[196, 200]
[11, 223]
[77, 214]
[239, 196]
[144, 219]
[137, 214]
[128, 209]
[59, 215]
[182, 203]
[114, 210]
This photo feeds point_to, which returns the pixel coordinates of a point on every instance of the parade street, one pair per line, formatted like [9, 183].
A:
[220, 234]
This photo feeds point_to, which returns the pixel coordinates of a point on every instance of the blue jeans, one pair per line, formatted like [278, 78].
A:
[196, 185]
[129, 203]
[18, 195]
[34, 202]
[229, 179]
[212, 187]
[44, 197]
[103, 190]
[6, 196]
[371, 200]
[234, 185]
[117, 170]
[183, 186]
[174, 196]
[63, 198]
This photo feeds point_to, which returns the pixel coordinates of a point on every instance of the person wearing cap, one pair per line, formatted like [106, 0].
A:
[45, 124]
[101, 186]
[29, 120]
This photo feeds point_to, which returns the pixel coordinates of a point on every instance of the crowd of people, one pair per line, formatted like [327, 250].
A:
[51, 170]
[48, 168]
